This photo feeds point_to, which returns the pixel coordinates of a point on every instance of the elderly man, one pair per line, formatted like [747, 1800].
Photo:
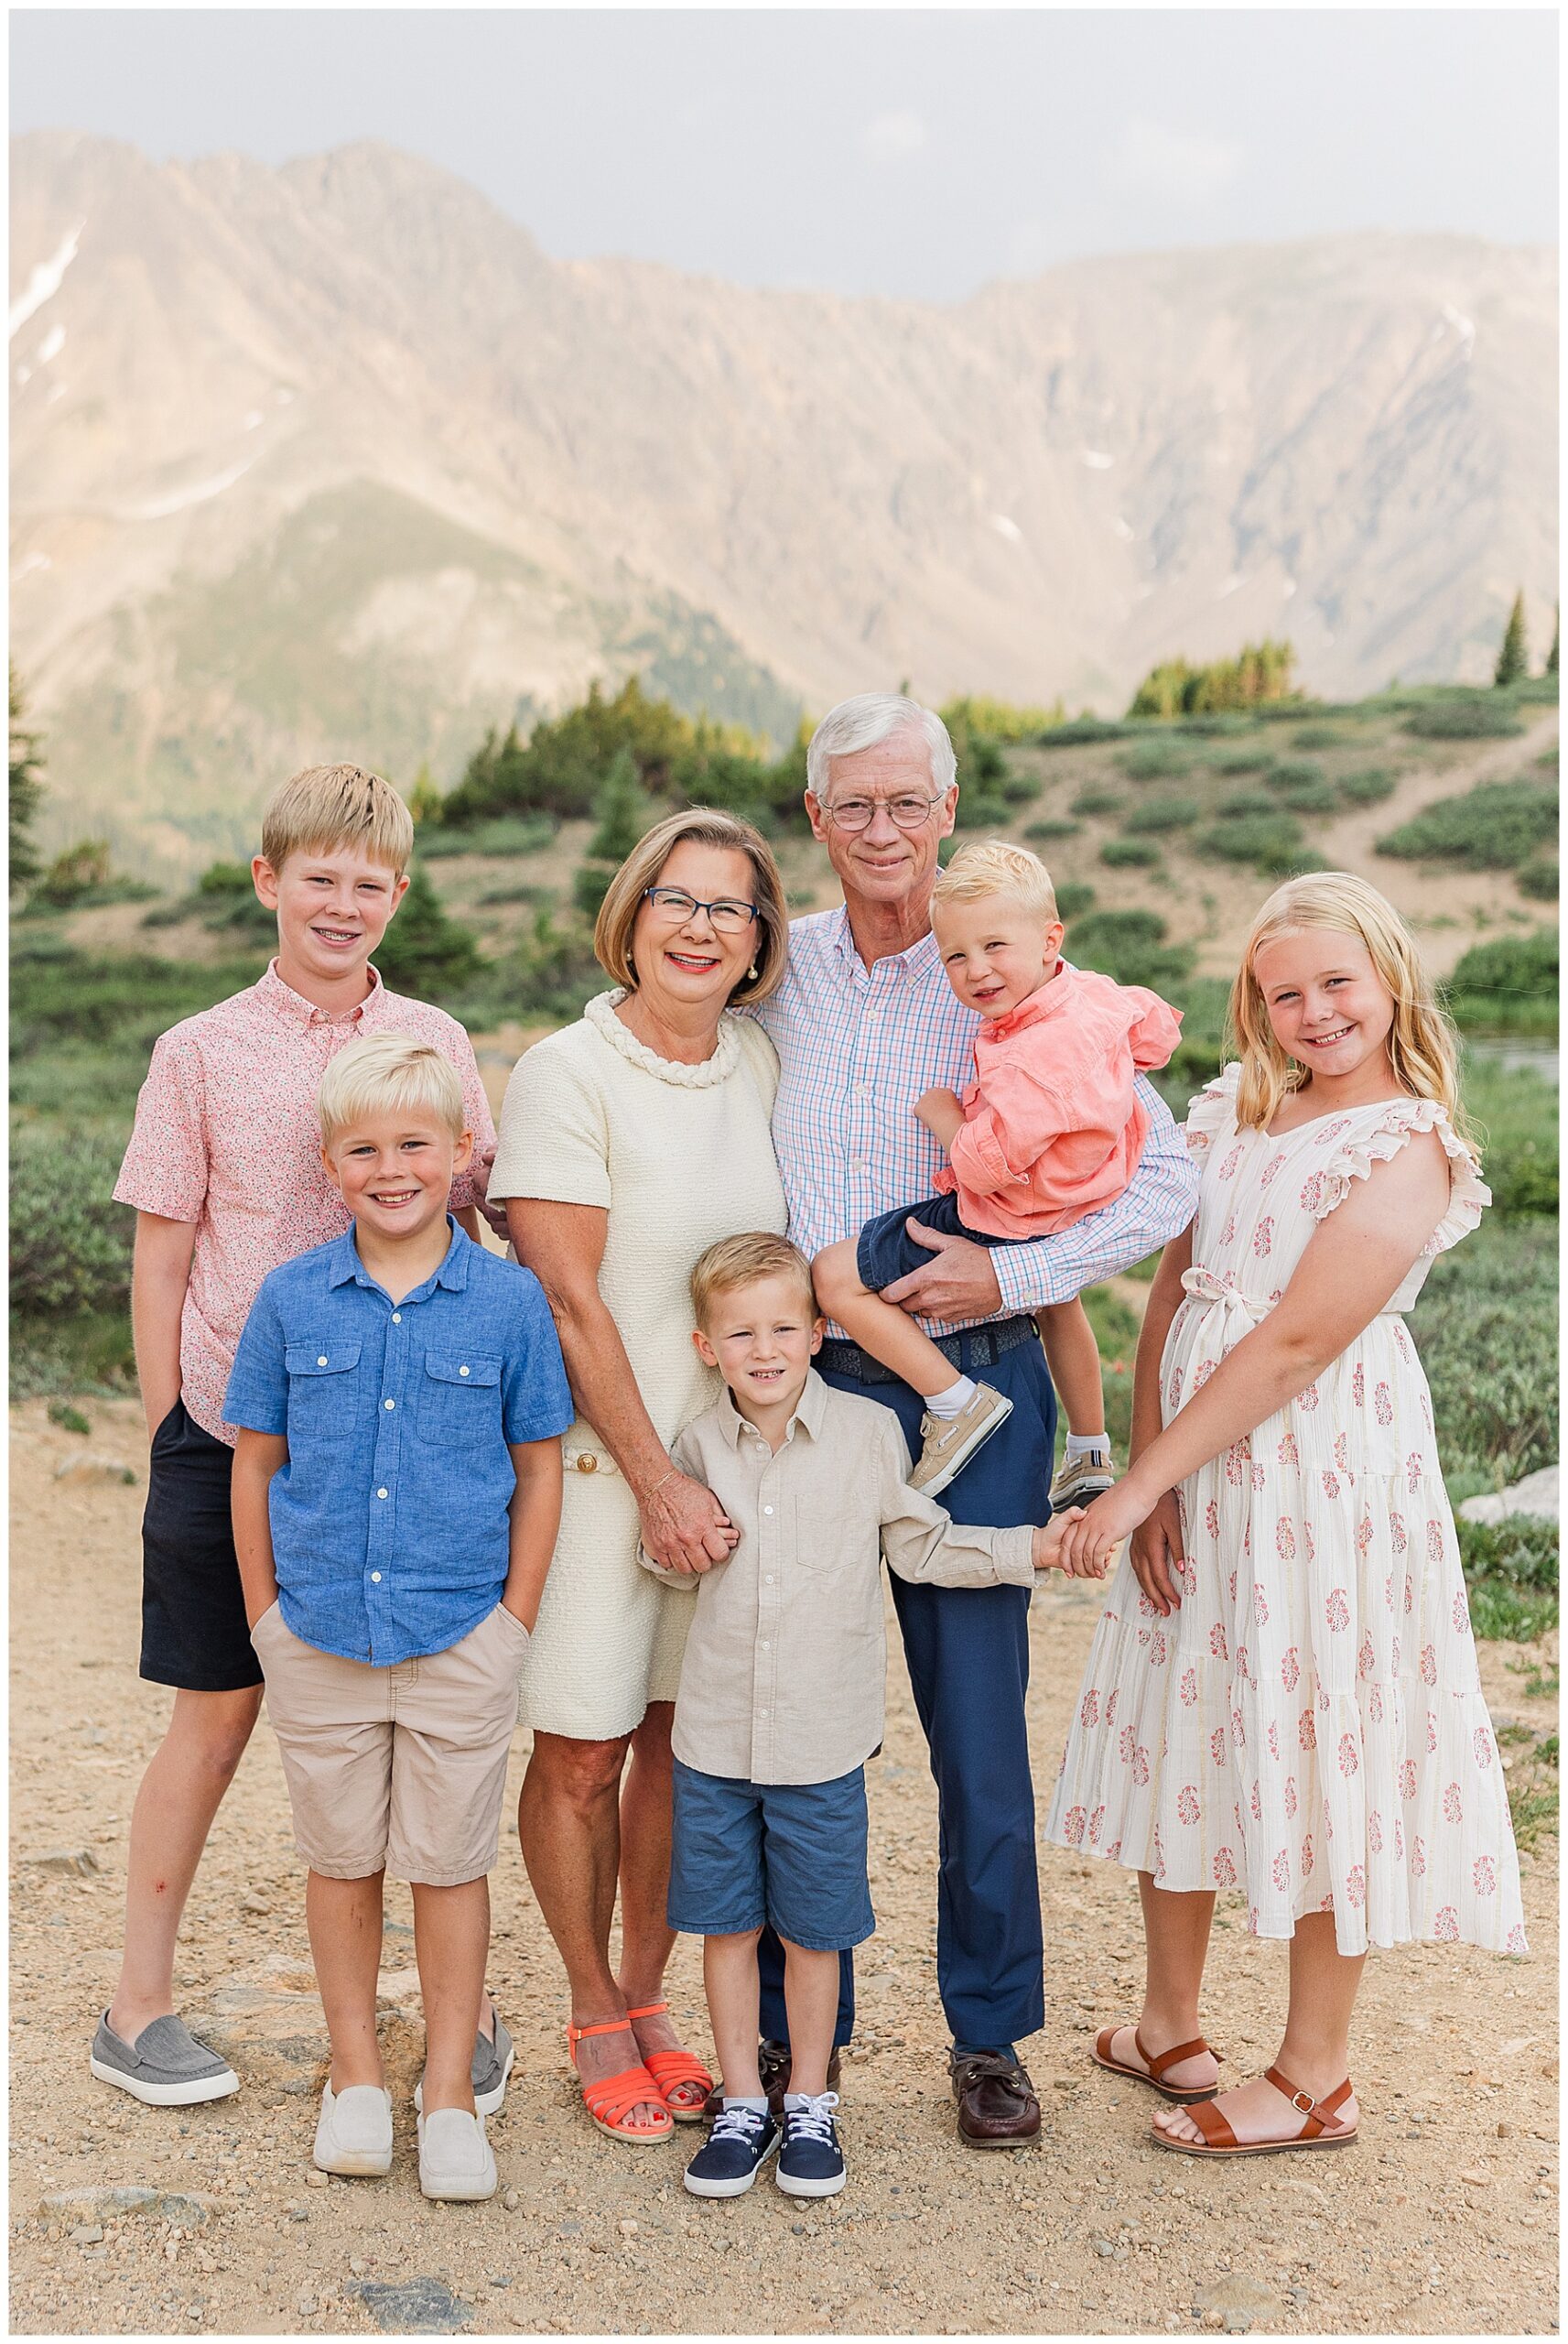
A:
[864, 1023]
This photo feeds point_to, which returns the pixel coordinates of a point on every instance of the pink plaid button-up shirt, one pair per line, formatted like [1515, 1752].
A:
[226, 1137]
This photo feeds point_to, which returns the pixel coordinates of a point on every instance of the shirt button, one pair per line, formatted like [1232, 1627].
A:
[322, 1361]
[389, 1403]
[768, 1580]
[463, 1371]
[375, 1579]
[767, 1509]
[380, 1493]
[397, 1317]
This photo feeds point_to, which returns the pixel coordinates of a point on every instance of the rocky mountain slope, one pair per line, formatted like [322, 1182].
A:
[332, 459]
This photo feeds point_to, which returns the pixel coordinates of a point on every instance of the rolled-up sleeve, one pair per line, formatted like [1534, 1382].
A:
[925, 1544]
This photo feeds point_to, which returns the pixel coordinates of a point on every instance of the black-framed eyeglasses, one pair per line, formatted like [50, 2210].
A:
[908, 810]
[729, 916]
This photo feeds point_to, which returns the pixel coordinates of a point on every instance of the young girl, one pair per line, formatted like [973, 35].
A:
[1282, 1692]
[1052, 1130]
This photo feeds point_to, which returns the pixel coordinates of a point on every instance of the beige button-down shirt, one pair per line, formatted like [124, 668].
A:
[785, 1665]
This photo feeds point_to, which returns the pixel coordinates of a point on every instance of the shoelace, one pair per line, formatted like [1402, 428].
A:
[736, 2124]
[815, 2121]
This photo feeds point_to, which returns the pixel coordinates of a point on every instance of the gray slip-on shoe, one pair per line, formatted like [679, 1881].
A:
[166, 2066]
[492, 2066]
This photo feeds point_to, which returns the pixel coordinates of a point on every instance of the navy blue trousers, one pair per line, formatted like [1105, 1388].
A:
[967, 1653]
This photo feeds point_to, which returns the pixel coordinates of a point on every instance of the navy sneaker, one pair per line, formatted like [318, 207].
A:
[811, 2162]
[742, 2142]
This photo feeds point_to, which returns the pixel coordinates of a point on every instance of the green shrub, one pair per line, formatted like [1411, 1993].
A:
[1509, 985]
[1219, 727]
[1511, 1571]
[1316, 736]
[1480, 719]
[1252, 760]
[1130, 946]
[1163, 814]
[1302, 784]
[1538, 881]
[70, 1247]
[1160, 760]
[1083, 732]
[226, 900]
[1126, 853]
[999, 720]
[1073, 896]
[1515, 1111]
[1041, 834]
[510, 834]
[1272, 842]
[425, 952]
[1243, 803]
[1486, 1326]
[1097, 800]
[1368, 785]
[1495, 827]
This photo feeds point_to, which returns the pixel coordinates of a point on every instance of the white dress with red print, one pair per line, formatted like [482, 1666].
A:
[1309, 1725]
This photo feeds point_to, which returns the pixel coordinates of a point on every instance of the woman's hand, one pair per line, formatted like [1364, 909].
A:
[1157, 1555]
[683, 1525]
[1126, 1512]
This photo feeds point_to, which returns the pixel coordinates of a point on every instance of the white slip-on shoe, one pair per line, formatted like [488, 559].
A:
[455, 2159]
[353, 2133]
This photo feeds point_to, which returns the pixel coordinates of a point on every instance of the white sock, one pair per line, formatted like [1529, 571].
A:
[758, 2107]
[1079, 1444]
[955, 1400]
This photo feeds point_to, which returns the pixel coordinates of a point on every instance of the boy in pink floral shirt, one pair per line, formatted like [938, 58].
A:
[225, 1169]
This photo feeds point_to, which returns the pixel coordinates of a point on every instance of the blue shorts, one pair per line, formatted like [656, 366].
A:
[886, 1251]
[792, 1854]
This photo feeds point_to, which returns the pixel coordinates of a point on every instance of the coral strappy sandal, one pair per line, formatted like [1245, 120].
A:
[1156, 2065]
[1323, 2129]
[677, 2071]
[610, 2101]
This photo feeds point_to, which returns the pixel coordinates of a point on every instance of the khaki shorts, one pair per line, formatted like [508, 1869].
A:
[402, 1767]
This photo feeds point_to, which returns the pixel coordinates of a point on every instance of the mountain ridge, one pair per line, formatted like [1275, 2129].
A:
[762, 498]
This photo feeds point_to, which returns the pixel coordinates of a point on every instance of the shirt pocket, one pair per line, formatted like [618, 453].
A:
[460, 1400]
[324, 1389]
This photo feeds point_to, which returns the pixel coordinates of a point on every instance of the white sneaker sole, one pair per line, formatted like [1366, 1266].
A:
[358, 2164]
[465, 2189]
[738, 2188]
[793, 2187]
[191, 2095]
[955, 1463]
[485, 2103]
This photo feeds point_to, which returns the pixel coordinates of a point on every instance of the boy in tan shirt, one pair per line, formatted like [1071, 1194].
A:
[780, 1693]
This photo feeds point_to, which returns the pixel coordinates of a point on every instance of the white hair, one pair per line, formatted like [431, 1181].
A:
[872, 717]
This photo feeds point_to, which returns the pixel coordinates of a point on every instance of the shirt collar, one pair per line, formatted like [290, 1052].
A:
[809, 1411]
[916, 961]
[344, 1267]
[283, 1002]
[1048, 1000]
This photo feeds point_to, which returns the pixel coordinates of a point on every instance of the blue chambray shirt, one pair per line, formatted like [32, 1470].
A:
[389, 1521]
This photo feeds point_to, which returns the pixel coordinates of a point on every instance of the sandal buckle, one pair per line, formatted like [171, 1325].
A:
[1304, 2101]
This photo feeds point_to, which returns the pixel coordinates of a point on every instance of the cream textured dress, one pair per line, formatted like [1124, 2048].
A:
[681, 1156]
[1308, 1726]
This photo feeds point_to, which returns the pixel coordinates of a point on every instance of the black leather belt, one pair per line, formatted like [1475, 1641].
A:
[974, 1347]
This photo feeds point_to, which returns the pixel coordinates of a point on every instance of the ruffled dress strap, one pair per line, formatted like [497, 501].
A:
[1213, 1111]
[1373, 1136]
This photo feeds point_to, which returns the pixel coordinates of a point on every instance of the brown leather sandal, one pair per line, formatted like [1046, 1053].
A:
[1322, 2130]
[1157, 2065]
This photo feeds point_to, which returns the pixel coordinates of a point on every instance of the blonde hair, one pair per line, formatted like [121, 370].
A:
[324, 806]
[705, 826]
[736, 1261]
[1423, 1047]
[995, 867]
[389, 1074]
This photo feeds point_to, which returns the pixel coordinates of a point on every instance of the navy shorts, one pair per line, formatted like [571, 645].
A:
[193, 1607]
[886, 1251]
[792, 1855]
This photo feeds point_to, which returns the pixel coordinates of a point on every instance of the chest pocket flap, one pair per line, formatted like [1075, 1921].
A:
[323, 1389]
[461, 1396]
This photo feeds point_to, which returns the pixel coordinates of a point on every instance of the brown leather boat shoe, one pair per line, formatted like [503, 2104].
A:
[774, 2068]
[997, 2107]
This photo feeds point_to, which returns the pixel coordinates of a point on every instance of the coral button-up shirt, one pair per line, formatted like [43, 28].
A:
[1052, 1125]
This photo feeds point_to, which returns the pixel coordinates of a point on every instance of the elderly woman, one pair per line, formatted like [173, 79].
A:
[628, 1143]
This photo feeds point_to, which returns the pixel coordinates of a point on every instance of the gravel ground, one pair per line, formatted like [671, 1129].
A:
[1442, 2219]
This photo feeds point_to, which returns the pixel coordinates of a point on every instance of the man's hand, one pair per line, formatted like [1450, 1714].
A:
[685, 1527]
[942, 1112]
[957, 1282]
[479, 1180]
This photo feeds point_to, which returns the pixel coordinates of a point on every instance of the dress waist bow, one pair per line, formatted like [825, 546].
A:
[1202, 1286]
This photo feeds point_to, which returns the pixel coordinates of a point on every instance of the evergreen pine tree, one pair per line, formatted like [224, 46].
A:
[27, 790]
[625, 811]
[1513, 659]
[425, 798]
[1556, 631]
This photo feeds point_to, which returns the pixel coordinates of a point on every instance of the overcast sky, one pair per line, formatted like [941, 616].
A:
[904, 153]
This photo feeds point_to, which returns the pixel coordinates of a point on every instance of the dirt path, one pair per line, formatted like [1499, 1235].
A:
[1441, 2219]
